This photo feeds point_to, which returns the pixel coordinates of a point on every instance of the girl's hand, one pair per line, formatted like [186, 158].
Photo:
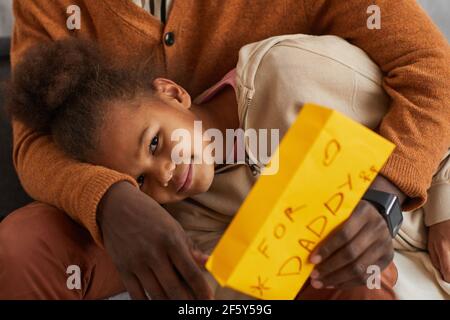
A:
[149, 248]
[439, 248]
[363, 240]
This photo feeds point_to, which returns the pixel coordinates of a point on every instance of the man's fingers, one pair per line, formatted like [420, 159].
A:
[192, 274]
[134, 287]
[174, 287]
[340, 237]
[348, 253]
[356, 272]
[152, 285]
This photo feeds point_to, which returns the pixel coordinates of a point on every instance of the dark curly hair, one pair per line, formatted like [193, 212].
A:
[62, 88]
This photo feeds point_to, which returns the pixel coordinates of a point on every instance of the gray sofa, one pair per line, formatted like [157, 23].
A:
[12, 195]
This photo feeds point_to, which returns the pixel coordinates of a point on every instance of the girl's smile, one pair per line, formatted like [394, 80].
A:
[186, 182]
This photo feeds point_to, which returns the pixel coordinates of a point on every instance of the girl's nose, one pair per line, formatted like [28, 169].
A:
[166, 171]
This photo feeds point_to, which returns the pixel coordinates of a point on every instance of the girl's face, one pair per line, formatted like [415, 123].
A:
[136, 140]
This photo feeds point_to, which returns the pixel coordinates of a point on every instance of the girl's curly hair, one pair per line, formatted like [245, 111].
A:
[62, 88]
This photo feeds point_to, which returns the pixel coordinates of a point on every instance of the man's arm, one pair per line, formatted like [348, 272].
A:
[45, 172]
[150, 249]
[415, 58]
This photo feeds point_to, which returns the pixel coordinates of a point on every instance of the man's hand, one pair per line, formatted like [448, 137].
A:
[363, 240]
[149, 248]
[439, 248]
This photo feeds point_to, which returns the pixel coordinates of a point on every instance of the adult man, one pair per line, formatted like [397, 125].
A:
[197, 45]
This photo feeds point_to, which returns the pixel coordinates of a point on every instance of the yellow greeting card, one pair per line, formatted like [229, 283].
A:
[326, 163]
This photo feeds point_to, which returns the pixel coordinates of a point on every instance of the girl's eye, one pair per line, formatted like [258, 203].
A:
[153, 144]
[140, 181]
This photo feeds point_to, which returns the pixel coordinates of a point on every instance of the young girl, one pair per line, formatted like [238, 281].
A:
[119, 118]
[124, 119]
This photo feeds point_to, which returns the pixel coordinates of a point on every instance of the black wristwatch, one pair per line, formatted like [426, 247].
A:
[388, 206]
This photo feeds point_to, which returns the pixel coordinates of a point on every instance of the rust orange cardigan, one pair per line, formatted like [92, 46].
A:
[412, 53]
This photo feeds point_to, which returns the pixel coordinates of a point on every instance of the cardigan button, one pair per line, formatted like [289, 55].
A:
[169, 39]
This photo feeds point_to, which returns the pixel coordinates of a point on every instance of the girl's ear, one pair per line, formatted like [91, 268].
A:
[165, 88]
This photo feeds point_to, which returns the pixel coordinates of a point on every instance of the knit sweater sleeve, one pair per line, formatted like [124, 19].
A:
[45, 172]
[415, 59]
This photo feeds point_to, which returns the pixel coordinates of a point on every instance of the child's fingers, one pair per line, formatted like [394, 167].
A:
[443, 256]
[200, 258]
[198, 255]
[433, 256]
[439, 257]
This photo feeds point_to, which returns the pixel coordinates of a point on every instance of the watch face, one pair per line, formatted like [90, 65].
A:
[388, 206]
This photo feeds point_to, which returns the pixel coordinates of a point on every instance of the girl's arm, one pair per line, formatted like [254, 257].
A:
[437, 217]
